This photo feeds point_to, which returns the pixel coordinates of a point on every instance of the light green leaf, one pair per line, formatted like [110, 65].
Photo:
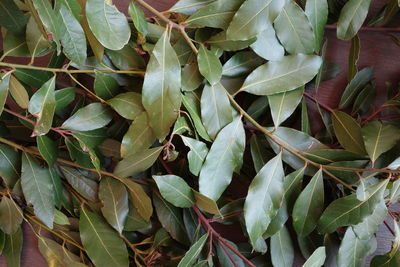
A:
[13, 248]
[11, 17]
[317, 13]
[218, 14]
[10, 164]
[392, 258]
[267, 45]
[18, 92]
[83, 185]
[90, 117]
[264, 198]
[253, 17]
[10, 216]
[209, 65]
[220, 40]
[196, 155]
[4, 86]
[105, 86]
[114, 197]
[102, 243]
[191, 77]
[138, 162]
[294, 30]
[260, 153]
[188, 7]
[108, 25]
[64, 97]
[175, 190]
[355, 86]
[216, 110]
[73, 38]
[282, 252]
[139, 136]
[353, 251]
[317, 259]
[225, 157]
[194, 252]
[379, 138]
[38, 189]
[128, 105]
[138, 18]
[284, 104]
[49, 19]
[161, 95]
[241, 63]
[366, 229]
[309, 206]
[140, 199]
[226, 257]
[351, 18]
[348, 132]
[191, 101]
[349, 210]
[287, 74]
[47, 148]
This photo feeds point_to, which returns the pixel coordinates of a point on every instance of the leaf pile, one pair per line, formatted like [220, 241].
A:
[142, 138]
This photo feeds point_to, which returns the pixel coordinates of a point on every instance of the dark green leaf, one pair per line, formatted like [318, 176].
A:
[348, 132]
[327, 156]
[175, 190]
[4, 85]
[90, 117]
[10, 216]
[191, 77]
[13, 248]
[11, 17]
[102, 243]
[83, 185]
[105, 86]
[351, 18]
[354, 55]
[140, 199]
[191, 101]
[48, 149]
[355, 86]
[126, 58]
[128, 105]
[366, 229]
[64, 97]
[10, 164]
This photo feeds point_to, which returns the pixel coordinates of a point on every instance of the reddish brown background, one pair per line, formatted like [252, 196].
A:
[376, 50]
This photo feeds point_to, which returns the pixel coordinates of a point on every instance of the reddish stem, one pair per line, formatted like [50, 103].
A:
[379, 110]
[373, 29]
[313, 98]
[389, 228]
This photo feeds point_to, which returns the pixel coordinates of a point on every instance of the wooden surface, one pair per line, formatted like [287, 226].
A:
[376, 50]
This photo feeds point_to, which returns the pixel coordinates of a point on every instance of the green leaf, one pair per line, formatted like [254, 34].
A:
[317, 259]
[191, 77]
[83, 185]
[392, 258]
[48, 149]
[364, 99]
[138, 18]
[170, 218]
[191, 101]
[348, 132]
[109, 26]
[209, 65]
[287, 74]
[138, 162]
[349, 210]
[42, 105]
[218, 14]
[225, 157]
[226, 257]
[260, 153]
[161, 95]
[175, 190]
[351, 18]
[91, 138]
[197, 154]
[264, 198]
[105, 86]
[366, 229]
[284, 104]
[282, 252]
[253, 17]
[49, 19]
[72, 5]
[267, 45]
[309, 206]
[126, 58]
[305, 121]
[38, 189]
[355, 86]
[216, 110]
[294, 30]
[64, 97]
[221, 41]
[4, 85]
[188, 7]
[10, 164]
[55, 254]
[317, 12]
[13, 248]
[194, 252]
[134, 221]
[139, 136]
[114, 197]
[90, 117]
[241, 63]
[379, 138]
[37, 44]
[18, 92]
[353, 251]
[128, 105]
[140, 199]
[102, 243]
[10, 216]
[354, 55]
[205, 203]
[327, 156]
[11, 17]
[292, 187]
[73, 38]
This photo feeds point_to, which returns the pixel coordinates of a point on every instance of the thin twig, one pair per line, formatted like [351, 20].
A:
[313, 98]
